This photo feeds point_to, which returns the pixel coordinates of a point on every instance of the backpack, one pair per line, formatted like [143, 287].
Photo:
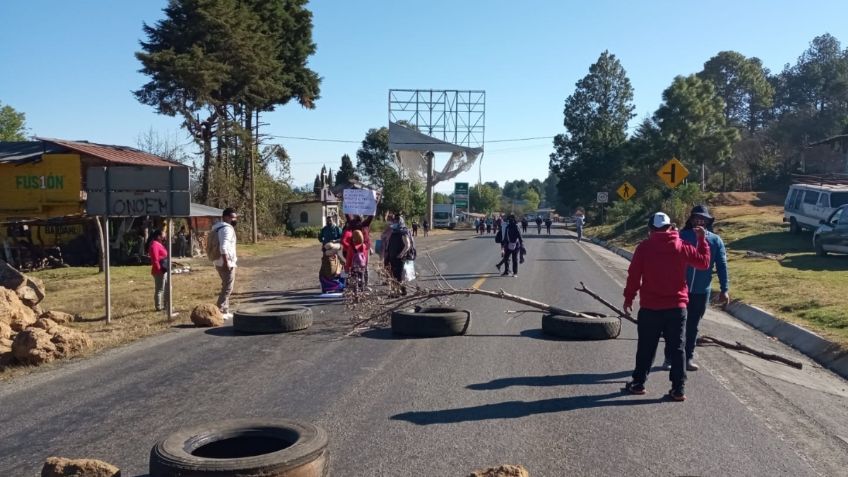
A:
[213, 244]
[359, 259]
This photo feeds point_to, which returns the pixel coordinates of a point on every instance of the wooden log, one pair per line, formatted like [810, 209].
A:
[709, 340]
[609, 305]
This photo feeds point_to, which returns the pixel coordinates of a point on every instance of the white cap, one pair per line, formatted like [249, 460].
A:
[660, 220]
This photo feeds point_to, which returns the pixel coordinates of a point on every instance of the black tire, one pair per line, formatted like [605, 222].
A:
[285, 448]
[820, 251]
[579, 328]
[431, 322]
[793, 226]
[272, 319]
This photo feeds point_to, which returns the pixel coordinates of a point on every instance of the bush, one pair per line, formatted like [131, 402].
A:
[306, 232]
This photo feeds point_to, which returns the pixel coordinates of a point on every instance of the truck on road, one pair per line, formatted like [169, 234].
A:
[444, 216]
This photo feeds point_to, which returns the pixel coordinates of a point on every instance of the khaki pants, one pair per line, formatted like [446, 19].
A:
[161, 290]
[228, 279]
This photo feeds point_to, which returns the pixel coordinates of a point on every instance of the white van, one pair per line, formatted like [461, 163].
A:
[808, 204]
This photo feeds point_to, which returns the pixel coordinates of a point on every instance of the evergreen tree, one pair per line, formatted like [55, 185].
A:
[346, 172]
[595, 118]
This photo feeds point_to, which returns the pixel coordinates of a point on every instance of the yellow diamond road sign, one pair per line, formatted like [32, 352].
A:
[673, 172]
[626, 191]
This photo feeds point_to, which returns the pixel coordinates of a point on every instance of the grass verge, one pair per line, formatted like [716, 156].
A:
[81, 291]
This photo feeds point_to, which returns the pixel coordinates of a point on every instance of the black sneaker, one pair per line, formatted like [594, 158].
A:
[505, 274]
[677, 394]
[634, 387]
[498, 266]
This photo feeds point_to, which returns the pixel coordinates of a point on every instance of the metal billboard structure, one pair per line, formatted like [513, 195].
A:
[423, 122]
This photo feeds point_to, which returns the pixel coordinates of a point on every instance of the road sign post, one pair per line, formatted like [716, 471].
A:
[126, 191]
[460, 195]
[673, 173]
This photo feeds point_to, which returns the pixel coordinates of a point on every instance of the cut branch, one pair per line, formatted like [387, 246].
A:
[709, 340]
[703, 340]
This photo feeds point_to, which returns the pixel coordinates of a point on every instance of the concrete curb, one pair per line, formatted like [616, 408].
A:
[825, 352]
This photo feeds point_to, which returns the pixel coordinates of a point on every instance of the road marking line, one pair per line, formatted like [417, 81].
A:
[478, 283]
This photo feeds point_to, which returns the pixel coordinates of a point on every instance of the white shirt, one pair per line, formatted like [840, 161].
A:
[227, 239]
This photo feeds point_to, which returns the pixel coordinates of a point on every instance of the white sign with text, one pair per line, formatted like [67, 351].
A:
[360, 202]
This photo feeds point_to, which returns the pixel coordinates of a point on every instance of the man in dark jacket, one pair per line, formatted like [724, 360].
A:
[658, 273]
[700, 281]
[331, 232]
[511, 244]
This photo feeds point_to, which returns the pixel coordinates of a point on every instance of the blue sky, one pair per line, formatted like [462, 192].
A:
[70, 66]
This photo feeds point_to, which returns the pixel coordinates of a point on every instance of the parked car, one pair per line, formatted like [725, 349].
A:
[808, 204]
[832, 234]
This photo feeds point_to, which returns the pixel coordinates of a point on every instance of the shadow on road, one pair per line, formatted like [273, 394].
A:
[518, 409]
[561, 380]
[536, 333]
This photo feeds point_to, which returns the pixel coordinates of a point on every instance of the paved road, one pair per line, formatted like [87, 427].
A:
[501, 394]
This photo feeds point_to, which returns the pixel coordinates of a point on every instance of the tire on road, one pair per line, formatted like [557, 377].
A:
[431, 322]
[599, 327]
[272, 319]
[243, 447]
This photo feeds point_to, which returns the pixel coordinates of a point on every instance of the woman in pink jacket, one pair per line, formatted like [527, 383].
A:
[159, 265]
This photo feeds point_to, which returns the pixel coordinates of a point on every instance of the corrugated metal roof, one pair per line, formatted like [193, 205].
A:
[23, 152]
[113, 154]
[200, 210]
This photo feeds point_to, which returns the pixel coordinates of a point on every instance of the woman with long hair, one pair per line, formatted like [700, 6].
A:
[159, 268]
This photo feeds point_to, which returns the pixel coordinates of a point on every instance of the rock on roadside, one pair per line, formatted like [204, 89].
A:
[207, 316]
[13, 311]
[501, 471]
[33, 346]
[58, 316]
[63, 467]
[30, 290]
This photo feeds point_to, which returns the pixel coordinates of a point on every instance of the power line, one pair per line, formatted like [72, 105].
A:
[317, 139]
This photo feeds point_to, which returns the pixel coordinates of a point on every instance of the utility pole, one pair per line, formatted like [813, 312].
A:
[253, 222]
[430, 156]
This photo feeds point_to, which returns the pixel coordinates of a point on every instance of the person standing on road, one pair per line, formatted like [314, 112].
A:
[548, 224]
[538, 225]
[524, 224]
[330, 232]
[658, 273]
[414, 228]
[512, 243]
[398, 247]
[159, 268]
[426, 225]
[579, 221]
[225, 232]
[699, 281]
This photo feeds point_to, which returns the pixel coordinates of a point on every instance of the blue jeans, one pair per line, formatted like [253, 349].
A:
[652, 324]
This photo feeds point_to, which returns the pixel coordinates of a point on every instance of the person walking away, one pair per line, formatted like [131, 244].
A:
[224, 233]
[330, 232]
[512, 244]
[414, 228]
[384, 243]
[159, 268]
[182, 242]
[579, 221]
[524, 224]
[538, 225]
[399, 246]
[426, 225]
[658, 273]
[699, 282]
[548, 225]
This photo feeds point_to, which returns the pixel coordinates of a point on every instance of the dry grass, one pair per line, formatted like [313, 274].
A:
[81, 291]
[802, 288]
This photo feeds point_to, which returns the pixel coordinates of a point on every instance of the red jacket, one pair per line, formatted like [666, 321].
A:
[658, 270]
[157, 252]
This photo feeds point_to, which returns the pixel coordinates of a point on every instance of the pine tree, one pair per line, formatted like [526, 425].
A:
[346, 171]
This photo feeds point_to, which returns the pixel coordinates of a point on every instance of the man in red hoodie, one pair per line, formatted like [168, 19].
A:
[658, 273]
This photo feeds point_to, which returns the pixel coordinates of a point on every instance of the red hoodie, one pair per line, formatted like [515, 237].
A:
[658, 268]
